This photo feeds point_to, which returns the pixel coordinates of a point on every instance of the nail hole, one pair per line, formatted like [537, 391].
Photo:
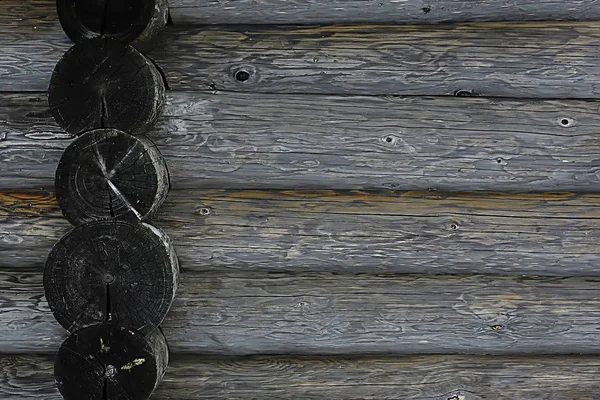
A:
[108, 278]
[204, 211]
[389, 139]
[426, 10]
[496, 327]
[499, 160]
[454, 227]
[242, 76]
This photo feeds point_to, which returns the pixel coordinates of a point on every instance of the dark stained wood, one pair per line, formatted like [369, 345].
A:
[109, 362]
[101, 83]
[116, 271]
[226, 313]
[107, 174]
[530, 60]
[342, 378]
[412, 232]
[249, 141]
[135, 22]
[377, 11]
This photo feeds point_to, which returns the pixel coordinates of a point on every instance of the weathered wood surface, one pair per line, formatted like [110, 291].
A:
[249, 141]
[114, 271]
[106, 174]
[29, 16]
[410, 377]
[377, 11]
[250, 312]
[413, 232]
[532, 60]
[42, 13]
[135, 22]
[110, 362]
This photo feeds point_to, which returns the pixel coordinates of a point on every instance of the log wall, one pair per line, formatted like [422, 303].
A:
[365, 205]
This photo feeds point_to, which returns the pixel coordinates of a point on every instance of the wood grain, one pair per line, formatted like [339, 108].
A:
[376, 11]
[249, 313]
[410, 232]
[248, 141]
[409, 377]
[529, 60]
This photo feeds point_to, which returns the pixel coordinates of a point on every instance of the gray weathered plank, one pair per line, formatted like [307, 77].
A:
[409, 377]
[248, 313]
[555, 235]
[532, 60]
[29, 16]
[377, 11]
[248, 141]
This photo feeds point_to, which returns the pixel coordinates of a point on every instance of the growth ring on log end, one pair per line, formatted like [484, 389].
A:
[111, 271]
[135, 22]
[106, 173]
[101, 83]
[107, 362]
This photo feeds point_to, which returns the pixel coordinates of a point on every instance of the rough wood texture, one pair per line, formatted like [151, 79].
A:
[532, 60]
[109, 362]
[246, 313]
[37, 16]
[135, 22]
[335, 378]
[553, 234]
[111, 271]
[101, 83]
[108, 174]
[249, 141]
[557, 60]
[377, 11]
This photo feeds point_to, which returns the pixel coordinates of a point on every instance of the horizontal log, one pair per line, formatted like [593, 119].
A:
[263, 313]
[376, 11]
[412, 377]
[248, 141]
[15, 14]
[531, 60]
[412, 232]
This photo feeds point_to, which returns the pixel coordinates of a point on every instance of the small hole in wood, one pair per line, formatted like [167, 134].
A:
[565, 122]
[463, 93]
[499, 160]
[426, 10]
[389, 139]
[454, 227]
[242, 75]
[496, 327]
[204, 211]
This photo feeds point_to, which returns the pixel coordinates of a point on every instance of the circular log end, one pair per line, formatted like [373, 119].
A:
[111, 271]
[108, 362]
[101, 83]
[135, 22]
[106, 173]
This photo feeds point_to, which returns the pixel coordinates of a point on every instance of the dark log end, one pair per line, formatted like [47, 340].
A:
[101, 83]
[135, 22]
[111, 271]
[106, 174]
[108, 362]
